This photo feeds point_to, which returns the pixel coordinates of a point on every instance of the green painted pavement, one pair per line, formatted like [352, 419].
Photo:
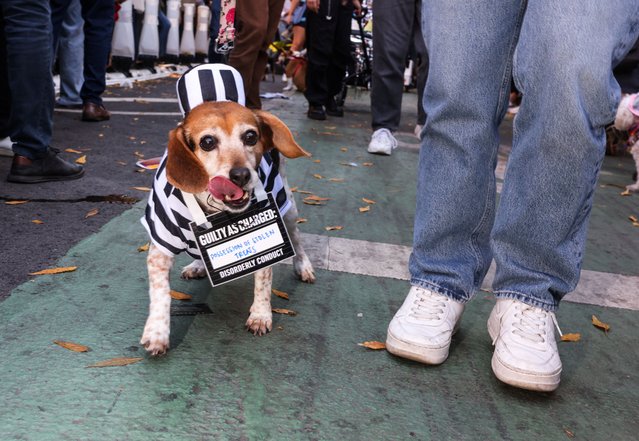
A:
[308, 379]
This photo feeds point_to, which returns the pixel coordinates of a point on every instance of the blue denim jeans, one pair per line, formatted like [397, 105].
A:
[70, 51]
[26, 84]
[561, 55]
[98, 18]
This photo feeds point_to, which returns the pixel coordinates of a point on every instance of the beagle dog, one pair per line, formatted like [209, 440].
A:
[215, 154]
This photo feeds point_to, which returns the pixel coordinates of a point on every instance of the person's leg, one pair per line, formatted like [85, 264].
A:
[563, 67]
[341, 54]
[98, 30]
[421, 64]
[27, 36]
[393, 22]
[320, 33]
[5, 92]
[214, 29]
[164, 25]
[71, 56]
[465, 100]
[253, 93]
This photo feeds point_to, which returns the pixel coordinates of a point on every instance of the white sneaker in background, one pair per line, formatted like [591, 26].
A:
[418, 131]
[422, 328]
[526, 353]
[6, 147]
[382, 142]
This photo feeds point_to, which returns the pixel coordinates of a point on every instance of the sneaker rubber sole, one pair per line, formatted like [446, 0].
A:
[517, 378]
[400, 348]
[20, 179]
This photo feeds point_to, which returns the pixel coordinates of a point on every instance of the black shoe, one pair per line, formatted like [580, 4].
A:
[49, 168]
[316, 112]
[332, 109]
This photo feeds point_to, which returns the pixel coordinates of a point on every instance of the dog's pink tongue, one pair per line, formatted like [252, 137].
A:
[220, 187]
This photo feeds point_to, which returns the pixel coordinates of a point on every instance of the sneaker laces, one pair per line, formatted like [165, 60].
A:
[385, 136]
[428, 305]
[531, 325]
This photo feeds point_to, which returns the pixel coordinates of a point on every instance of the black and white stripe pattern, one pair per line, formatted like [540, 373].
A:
[167, 218]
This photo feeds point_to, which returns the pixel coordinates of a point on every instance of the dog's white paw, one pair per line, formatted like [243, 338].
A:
[634, 187]
[195, 270]
[155, 338]
[260, 323]
[304, 269]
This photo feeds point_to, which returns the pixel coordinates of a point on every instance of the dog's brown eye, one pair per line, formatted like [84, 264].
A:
[208, 143]
[250, 137]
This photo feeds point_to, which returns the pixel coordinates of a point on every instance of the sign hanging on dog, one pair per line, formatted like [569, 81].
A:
[236, 245]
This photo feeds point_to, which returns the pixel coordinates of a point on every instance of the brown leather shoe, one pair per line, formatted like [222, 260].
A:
[94, 112]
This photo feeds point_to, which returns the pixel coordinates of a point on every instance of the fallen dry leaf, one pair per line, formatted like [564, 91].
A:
[317, 176]
[316, 198]
[375, 345]
[336, 179]
[132, 138]
[139, 155]
[311, 202]
[344, 149]
[293, 189]
[15, 202]
[367, 164]
[625, 193]
[304, 192]
[177, 295]
[333, 227]
[144, 247]
[65, 269]
[599, 324]
[369, 201]
[300, 220]
[120, 162]
[316, 161]
[81, 160]
[571, 337]
[279, 293]
[75, 347]
[141, 188]
[37, 221]
[91, 213]
[73, 151]
[284, 311]
[569, 433]
[633, 218]
[121, 361]
[365, 209]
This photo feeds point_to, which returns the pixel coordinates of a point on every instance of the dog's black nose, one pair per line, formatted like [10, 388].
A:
[240, 176]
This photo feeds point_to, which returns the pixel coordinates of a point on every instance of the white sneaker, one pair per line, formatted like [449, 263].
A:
[423, 327]
[418, 131]
[382, 142]
[526, 353]
[6, 147]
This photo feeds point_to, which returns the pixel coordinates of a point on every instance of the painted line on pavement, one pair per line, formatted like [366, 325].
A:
[120, 112]
[391, 261]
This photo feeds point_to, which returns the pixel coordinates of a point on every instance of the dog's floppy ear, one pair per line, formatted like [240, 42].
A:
[183, 169]
[276, 134]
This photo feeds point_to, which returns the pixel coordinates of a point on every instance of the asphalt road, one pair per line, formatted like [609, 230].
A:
[111, 149]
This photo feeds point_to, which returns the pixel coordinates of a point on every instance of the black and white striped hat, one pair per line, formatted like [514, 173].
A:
[209, 82]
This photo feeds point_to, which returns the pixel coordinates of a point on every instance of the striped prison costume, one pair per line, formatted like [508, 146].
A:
[167, 217]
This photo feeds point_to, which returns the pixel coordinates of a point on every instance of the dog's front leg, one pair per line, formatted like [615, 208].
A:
[301, 262]
[156, 331]
[260, 320]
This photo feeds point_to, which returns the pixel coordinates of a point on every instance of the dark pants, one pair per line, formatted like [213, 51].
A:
[328, 43]
[26, 84]
[255, 24]
[98, 31]
[397, 26]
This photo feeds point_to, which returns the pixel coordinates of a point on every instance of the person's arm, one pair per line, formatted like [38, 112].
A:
[288, 18]
[313, 5]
